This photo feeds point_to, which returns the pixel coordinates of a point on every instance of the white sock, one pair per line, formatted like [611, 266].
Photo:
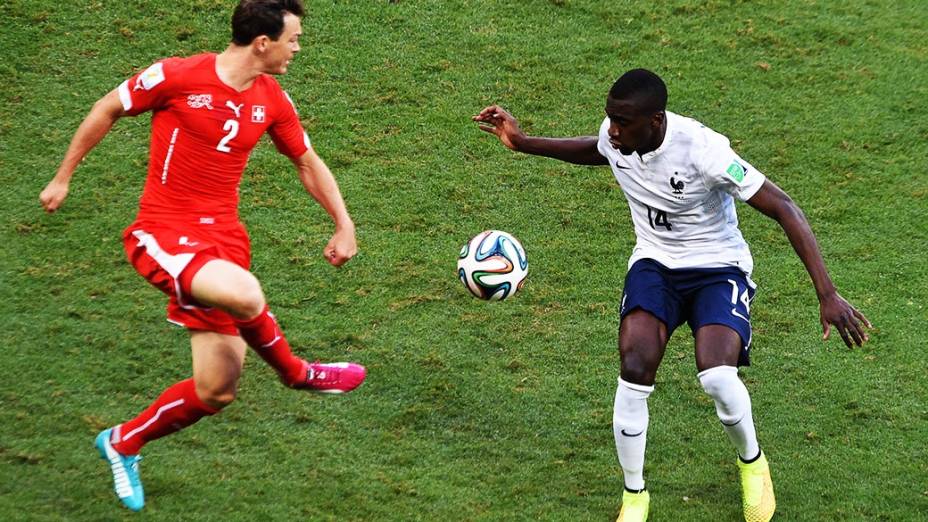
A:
[733, 406]
[630, 427]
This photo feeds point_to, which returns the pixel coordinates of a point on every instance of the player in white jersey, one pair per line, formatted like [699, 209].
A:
[690, 264]
[680, 196]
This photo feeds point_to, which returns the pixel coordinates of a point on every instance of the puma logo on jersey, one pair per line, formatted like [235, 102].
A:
[237, 109]
[196, 101]
[677, 186]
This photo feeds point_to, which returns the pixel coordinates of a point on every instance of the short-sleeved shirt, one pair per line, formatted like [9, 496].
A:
[203, 132]
[681, 196]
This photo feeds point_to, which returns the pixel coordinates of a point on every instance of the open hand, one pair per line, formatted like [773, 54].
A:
[496, 120]
[836, 311]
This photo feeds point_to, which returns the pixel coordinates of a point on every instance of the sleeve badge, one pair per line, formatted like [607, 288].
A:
[736, 171]
[151, 77]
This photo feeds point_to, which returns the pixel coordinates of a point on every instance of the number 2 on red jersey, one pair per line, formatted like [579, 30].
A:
[231, 127]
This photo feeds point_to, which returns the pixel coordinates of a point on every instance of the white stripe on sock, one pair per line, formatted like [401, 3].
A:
[148, 423]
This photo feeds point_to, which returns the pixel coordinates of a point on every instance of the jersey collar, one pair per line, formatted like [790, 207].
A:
[668, 134]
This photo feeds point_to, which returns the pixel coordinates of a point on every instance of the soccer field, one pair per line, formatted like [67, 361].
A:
[473, 410]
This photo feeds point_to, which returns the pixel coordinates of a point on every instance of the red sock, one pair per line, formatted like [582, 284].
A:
[176, 408]
[263, 334]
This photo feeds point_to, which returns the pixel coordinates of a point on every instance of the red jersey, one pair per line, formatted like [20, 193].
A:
[202, 134]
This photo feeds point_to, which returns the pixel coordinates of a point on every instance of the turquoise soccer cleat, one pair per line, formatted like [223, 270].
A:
[125, 470]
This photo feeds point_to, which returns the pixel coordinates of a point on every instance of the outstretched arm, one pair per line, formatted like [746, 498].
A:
[581, 150]
[321, 185]
[833, 309]
[95, 126]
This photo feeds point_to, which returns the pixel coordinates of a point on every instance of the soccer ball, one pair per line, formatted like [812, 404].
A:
[492, 265]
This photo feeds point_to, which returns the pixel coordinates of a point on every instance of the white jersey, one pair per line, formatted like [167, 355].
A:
[680, 196]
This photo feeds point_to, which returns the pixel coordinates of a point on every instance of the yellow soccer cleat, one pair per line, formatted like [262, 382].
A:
[634, 507]
[757, 490]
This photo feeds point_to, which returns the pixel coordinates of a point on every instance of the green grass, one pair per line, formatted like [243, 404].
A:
[472, 411]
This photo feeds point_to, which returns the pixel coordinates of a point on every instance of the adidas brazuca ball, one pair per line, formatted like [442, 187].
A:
[492, 265]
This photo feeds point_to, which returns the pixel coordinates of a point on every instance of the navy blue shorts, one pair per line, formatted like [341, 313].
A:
[699, 296]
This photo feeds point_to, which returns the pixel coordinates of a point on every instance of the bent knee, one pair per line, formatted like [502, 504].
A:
[230, 288]
[244, 298]
[247, 301]
[216, 397]
[638, 368]
[720, 381]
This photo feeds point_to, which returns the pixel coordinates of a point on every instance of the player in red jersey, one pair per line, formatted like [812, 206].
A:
[209, 111]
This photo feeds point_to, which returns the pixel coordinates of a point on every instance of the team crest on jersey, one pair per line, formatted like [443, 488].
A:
[151, 77]
[197, 101]
[677, 184]
[257, 114]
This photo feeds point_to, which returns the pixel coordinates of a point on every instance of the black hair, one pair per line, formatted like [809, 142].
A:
[643, 86]
[253, 18]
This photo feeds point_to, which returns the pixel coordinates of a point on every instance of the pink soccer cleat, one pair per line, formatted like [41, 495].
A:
[340, 377]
